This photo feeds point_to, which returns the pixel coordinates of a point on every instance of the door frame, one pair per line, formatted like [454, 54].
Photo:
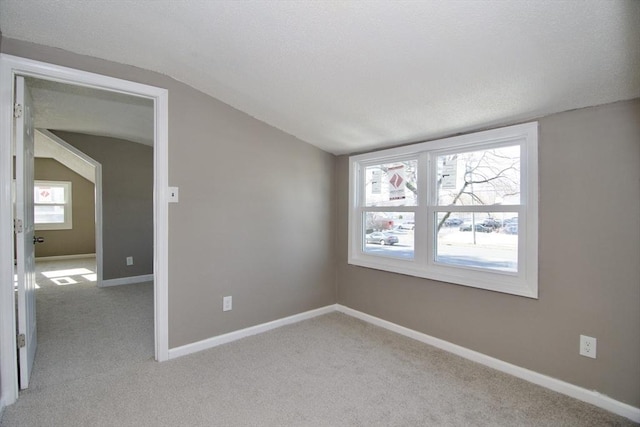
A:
[10, 66]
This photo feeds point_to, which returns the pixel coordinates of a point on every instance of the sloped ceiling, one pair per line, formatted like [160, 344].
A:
[350, 76]
[80, 109]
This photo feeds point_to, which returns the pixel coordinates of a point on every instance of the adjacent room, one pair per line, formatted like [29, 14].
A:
[319, 213]
[93, 170]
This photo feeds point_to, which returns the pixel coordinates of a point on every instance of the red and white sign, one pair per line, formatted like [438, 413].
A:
[43, 195]
[396, 182]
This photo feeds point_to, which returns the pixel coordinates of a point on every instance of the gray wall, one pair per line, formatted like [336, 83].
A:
[255, 221]
[81, 239]
[127, 202]
[589, 264]
[256, 212]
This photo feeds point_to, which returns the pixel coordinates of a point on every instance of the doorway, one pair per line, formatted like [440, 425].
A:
[10, 67]
[82, 330]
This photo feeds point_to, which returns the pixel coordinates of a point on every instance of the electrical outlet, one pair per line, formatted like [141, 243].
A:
[587, 346]
[129, 260]
[227, 303]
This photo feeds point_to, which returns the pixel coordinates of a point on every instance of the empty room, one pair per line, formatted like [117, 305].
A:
[320, 213]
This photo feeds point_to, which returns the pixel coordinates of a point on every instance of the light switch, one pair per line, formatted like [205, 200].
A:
[173, 194]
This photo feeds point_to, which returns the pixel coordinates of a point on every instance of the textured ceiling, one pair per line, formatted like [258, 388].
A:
[349, 76]
[70, 108]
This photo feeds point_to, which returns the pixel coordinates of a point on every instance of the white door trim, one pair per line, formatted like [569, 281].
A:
[10, 66]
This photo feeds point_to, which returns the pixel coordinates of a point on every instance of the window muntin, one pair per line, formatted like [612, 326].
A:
[488, 177]
[52, 205]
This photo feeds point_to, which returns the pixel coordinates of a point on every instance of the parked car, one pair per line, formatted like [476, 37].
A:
[381, 238]
[511, 229]
[452, 222]
[409, 225]
[492, 222]
[395, 230]
[511, 221]
[479, 228]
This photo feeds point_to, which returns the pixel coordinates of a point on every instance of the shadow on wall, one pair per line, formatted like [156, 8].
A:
[127, 202]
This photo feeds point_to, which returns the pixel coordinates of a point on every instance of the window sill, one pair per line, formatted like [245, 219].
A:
[492, 281]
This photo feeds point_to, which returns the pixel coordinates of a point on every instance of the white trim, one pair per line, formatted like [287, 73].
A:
[126, 280]
[64, 257]
[10, 66]
[161, 222]
[8, 359]
[589, 396]
[98, 222]
[243, 333]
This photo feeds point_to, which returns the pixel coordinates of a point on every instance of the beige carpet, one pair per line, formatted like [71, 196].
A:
[329, 371]
[84, 330]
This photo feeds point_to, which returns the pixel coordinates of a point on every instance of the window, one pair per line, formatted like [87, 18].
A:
[52, 205]
[461, 210]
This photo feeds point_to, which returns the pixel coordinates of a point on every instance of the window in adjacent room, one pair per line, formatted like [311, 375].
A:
[460, 210]
[52, 205]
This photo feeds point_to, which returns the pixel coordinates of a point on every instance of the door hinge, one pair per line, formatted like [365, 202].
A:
[17, 111]
[17, 225]
[21, 341]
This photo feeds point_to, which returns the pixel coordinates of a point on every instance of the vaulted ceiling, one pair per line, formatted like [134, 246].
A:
[350, 76]
[60, 106]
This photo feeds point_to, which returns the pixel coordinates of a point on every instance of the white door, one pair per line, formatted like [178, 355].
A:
[25, 239]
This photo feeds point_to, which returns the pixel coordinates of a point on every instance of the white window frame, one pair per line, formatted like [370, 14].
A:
[68, 206]
[524, 282]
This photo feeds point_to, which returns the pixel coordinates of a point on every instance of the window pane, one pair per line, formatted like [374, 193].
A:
[49, 194]
[389, 234]
[484, 177]
[478, 240]
[44, 214]
[391, 184]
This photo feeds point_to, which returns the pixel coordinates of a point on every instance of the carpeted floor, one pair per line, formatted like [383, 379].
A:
[332, 370]
[84, 330]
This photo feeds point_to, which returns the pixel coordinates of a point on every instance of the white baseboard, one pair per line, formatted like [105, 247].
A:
[127, 280]
[63, 257]
[242, 333]
[589, 396]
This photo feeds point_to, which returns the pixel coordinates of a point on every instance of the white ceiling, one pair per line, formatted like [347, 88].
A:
[80, 109]
[349, 76]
